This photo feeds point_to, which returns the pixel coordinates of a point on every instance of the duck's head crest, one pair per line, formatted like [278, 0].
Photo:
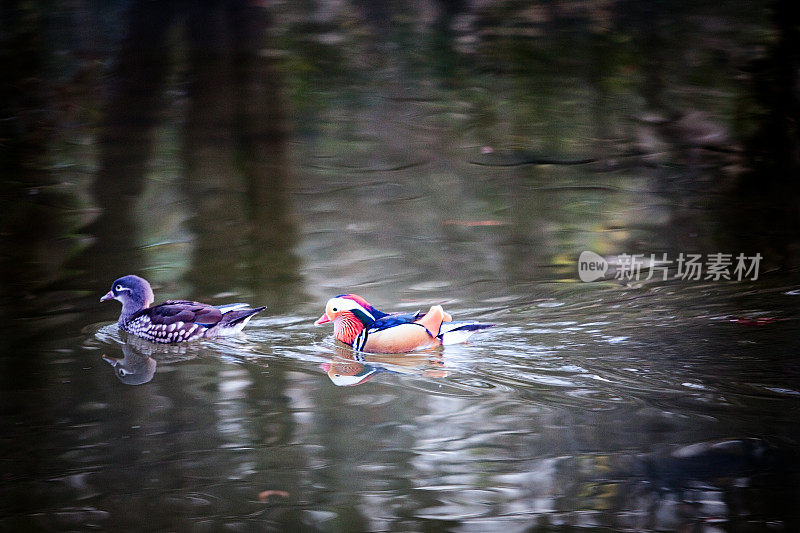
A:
[349, 303]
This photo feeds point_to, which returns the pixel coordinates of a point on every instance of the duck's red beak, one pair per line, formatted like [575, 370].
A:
[322, 320]
[107, 296]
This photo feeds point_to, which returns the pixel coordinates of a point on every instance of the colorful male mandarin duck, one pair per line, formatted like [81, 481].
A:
[174, 320]
[358, 324]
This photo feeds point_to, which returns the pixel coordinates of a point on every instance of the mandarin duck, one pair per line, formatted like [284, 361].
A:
[361, 326]
[174, 320]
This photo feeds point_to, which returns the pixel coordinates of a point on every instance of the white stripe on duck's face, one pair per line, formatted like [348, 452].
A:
[337, 306]
[121, 292]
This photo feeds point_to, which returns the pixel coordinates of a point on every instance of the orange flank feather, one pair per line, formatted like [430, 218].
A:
[433, 319]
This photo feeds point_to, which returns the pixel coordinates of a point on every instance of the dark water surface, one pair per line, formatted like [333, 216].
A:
[413, 153]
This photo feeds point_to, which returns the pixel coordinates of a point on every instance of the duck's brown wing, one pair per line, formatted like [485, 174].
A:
[173, 311]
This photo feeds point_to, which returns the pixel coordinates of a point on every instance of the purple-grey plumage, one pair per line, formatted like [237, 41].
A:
[174, 320]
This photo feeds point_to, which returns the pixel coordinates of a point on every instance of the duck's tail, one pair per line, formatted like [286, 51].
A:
[458, 332]
[235, 319]
[227, 308]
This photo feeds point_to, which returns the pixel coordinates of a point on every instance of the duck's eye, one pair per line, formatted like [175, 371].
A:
[118, 288]
[334, 310]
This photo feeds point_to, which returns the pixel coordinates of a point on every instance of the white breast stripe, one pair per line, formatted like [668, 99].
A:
[361, 340]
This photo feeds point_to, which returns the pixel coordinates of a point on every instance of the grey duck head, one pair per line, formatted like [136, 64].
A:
[133, 292]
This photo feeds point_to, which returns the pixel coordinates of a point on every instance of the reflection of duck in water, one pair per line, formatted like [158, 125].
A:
[349, 373]
[173, 320]
[358, 324]
[138, 364]
[135, 368]
[348, 368]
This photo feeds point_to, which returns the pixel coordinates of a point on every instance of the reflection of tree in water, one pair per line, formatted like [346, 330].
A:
[235, 180]
[676, 488]
[763, 213]
[27, 228]
[235, 168]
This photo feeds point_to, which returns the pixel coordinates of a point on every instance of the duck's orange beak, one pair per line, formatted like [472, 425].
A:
[322, 320]
[107, 296]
